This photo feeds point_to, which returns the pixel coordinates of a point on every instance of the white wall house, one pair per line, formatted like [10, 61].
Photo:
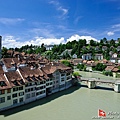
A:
[98, 57]
[86, 56]
[114, 55]
[74, 56]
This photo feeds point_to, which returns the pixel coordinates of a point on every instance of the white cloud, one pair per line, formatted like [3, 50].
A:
[59, 7]
[12, 42]
[77, 19]
[65, 11]
[77, 37]
[110, 33]
[116, 26]
[10, 21]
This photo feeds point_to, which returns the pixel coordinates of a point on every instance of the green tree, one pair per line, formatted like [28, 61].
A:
[43, 48]
[100, 67]
[76, 74]
[4, 51]
[80, 66]
[67, 63]
[92, 43]
[112, 42]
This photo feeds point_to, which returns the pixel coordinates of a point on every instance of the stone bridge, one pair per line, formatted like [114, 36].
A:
[93, 82]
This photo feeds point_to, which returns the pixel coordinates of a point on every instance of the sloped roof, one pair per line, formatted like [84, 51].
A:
[6, 84]
[14, 78]
[109, 68]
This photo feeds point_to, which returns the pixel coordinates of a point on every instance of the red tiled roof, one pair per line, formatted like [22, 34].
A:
[6, 84]
[109, 68]
[14, 76]
[115, 70]
[28, 72]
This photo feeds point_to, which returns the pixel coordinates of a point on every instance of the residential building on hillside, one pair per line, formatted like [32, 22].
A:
[87, 56]
[98, 57]
[118, 48]
[49, 47]
[74, 56]
[114, 55]
[104, 48]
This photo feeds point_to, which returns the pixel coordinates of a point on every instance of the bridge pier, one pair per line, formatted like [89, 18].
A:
[117, 87]
[91, 84]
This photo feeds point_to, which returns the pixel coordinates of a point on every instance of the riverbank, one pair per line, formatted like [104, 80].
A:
[95, 75]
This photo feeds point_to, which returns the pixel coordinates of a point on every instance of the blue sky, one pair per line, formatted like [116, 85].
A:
[57, 21]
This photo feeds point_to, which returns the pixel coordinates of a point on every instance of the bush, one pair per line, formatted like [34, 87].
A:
[67, 63]
[108, 73]
[80, 66]
[100, 67]
[76, 74]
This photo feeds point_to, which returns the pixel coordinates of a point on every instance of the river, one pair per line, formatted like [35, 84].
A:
[75, 103]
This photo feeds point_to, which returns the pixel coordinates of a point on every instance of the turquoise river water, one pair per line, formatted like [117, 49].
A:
[75, 103]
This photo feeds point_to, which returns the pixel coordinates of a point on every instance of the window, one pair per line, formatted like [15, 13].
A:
[2, 99]
[21, 88]
[8, 97]
[41, 87]
[14, 95]
[2, 83]
[33, 94]
[2, 92]
[21, 100]
[41, 82]
[47, 80]
[62, 74]
[68, 74]
[47, 84]
[43, 91]
[62, 79]
[21, 82]
[28, 84]
[15, 101]
[51, 83]
[33, 83]
[27, 96]
[8, 90]
[31, 89]
[21, 93]
[27, 90]
[15, 89]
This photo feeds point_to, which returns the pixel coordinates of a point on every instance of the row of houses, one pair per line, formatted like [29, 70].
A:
[21, 83]
[90, 64]
[113, 57]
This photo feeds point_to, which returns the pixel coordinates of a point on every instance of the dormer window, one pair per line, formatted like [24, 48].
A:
[15, 82]
[21, 81]
[2, 83]
[33, 78]
[28, 78]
